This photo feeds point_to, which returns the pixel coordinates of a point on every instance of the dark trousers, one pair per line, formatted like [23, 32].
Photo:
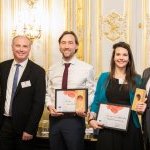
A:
[147, 144]
[67, 133]
[10, 140]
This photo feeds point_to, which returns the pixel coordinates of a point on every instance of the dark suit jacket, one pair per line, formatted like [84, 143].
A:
[28, 103]
[146, 115]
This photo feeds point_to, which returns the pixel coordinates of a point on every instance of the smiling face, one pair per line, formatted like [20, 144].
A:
[21, 47]
[121, 57]
[122, 63]
[68, 46]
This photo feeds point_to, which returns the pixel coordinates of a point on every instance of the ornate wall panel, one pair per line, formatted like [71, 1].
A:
[79, 23]
[5, 25]
[69, 5]
[1, 29]
[99, 26]
[98, 23]
[85, 16]
[79, 12]
[96, 36]
[114, 28]
[146, 27]
[49, 14]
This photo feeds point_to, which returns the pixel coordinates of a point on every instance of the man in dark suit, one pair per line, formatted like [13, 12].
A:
[22, 84]
[146, 114]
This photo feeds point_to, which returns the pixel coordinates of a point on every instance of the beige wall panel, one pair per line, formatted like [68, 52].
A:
[114, 28]
[146, 36]
[94, 21]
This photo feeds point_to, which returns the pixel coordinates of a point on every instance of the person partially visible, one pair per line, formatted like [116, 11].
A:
[146, 115]
[118, 87]
[23, 87]
[67, 130]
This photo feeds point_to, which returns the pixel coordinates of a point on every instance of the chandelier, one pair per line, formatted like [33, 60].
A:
[27, 23]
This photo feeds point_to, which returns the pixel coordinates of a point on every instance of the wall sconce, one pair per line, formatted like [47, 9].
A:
[27, 23]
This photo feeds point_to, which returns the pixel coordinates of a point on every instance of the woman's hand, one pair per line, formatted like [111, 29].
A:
[94, 124]
[81, 113]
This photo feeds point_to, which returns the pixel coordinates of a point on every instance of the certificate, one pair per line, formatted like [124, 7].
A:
[114, 116]
[71, 100]
[139, 96]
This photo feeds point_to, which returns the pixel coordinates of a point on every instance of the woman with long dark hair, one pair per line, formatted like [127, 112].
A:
[118, 87]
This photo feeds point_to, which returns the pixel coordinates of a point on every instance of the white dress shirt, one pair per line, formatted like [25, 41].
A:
[80, 75]
[10, 83]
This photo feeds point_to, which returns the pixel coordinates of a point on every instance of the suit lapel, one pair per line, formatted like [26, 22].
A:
[145, 78]
[145, 81]
[5, 73]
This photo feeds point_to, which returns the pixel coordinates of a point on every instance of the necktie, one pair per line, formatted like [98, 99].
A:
[14, 87]
[65, 76]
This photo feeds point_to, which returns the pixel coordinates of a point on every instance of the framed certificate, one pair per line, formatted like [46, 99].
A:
[71, 100]
[139, 96]
[114, 116]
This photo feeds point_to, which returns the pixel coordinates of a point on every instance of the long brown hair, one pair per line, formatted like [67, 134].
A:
[130, 68]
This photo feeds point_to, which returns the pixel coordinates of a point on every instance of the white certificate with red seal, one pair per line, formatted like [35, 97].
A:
[114, 116]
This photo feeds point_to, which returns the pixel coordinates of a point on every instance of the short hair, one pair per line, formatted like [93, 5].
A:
[22, 36]
[69, 32]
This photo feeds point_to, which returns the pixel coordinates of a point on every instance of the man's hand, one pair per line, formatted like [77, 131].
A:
[140, 107]
[54, 112]
[95, 125]
[26, 136]
[81, 113]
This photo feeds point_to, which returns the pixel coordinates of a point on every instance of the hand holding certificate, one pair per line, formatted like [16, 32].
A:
[114, 116]
[71, 100]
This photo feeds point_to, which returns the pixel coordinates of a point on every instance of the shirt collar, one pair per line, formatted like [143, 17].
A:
[22, 64]
[72, 61]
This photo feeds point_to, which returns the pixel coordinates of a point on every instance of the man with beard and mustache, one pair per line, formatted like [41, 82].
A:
[67, 130]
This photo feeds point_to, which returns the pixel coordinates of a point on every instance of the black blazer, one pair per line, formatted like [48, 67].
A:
[146, 115]
[28, 103]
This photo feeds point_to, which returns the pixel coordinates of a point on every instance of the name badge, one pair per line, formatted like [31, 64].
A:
[121, 81]
[25, 84]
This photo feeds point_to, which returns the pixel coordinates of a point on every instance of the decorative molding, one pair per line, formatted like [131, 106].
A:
[80, 27]
[115, 26]
[1, 31]
[147, 26]
[31, 2]
[99, 59]
[146, 34]
[87, 32]
[69, 5]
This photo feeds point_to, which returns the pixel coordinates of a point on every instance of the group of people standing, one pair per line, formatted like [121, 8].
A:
[24, 91]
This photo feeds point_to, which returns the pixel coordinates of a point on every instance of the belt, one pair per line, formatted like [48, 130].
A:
[7, 117]
[66, 115]
[69, 115]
